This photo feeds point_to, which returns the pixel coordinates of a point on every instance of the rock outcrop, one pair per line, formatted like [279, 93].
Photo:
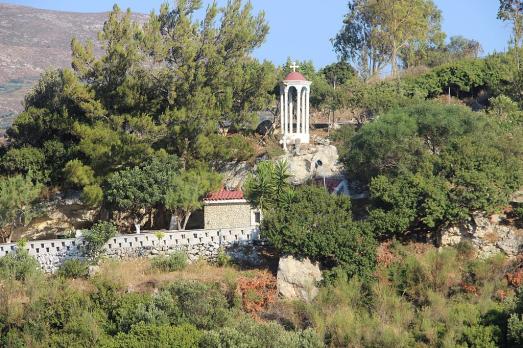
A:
[517, 197]
[297, 279]
[489, 236]
[235, 174]
[61, 215]
[313, 161]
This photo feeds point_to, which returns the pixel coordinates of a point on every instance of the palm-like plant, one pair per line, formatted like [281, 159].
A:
[265, 187]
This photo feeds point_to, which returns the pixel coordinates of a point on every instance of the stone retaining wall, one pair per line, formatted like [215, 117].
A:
[240, 243]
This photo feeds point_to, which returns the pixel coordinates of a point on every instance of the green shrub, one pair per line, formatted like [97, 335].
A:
[78, 174]
[515, 321]
[480, 336]
[97, 236]
[107, 296]
[170, 263]
[135, 308]
[84, 328]
[318, 225]
[92, 195]
[431, 164]
[515, 329]
[202, 305]
[245, 332]
[223, 259]
[159, 235]
[63, 315]
[274, 151]
[25, 160]
[74, 268]
[156, 336]
[18, 265]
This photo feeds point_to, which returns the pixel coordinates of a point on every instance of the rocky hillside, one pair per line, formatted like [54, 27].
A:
[33, 40]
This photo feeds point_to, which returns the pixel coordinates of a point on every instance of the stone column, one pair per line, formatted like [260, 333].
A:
[298, 110]
[282, 109]
[304, 101]
[286, 110]
[307, 116]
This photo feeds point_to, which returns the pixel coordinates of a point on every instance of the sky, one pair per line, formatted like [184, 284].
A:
[302, 29]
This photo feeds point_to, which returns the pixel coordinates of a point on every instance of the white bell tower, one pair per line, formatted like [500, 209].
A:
[294, 108]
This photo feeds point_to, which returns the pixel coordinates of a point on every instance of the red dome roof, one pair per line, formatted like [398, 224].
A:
[295, 76]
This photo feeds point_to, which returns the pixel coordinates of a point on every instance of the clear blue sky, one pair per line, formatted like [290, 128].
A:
[301, 29]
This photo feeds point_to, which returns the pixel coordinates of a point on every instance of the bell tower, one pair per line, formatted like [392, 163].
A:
[294, 108]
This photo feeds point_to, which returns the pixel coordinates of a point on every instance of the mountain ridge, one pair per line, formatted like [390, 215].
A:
[33, 40]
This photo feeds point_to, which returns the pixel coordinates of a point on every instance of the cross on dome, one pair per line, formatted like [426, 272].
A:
[294, 66]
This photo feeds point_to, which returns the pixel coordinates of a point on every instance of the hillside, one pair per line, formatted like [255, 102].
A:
[33, 40]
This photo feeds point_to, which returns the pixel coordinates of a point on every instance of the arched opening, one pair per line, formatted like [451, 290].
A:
[293, 109]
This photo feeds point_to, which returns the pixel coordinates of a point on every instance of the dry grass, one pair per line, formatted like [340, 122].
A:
[137, 275]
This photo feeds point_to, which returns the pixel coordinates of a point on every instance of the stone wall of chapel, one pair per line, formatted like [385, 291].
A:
[230, 215]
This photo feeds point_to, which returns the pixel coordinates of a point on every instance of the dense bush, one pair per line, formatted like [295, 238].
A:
[170, 263]
[18, 196]
[223, 259]
[25, 160]
[318, 225]
[156, 336]
[97, 236]
[134, 308]
[248, 333]
[493, 75]
[92, 195]
[202, 305]
[18, 265]
[433, 164]
[74, 268]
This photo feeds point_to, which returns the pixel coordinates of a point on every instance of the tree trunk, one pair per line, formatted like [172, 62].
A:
[518, 34]
[516, 47]
[151, 223]
[186, 219]
[178, 221]
[394, 60]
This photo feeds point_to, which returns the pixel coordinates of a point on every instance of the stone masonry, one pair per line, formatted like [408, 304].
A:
[239, 243]
[227, 214]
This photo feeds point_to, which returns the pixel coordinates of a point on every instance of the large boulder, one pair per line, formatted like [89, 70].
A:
[297, 279]
[314, 161]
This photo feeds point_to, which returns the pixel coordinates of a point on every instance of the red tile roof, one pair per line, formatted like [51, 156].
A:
[295, 76]
[224, 195]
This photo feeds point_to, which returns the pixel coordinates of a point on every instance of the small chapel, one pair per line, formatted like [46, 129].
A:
[294, 108]
[228, 208]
